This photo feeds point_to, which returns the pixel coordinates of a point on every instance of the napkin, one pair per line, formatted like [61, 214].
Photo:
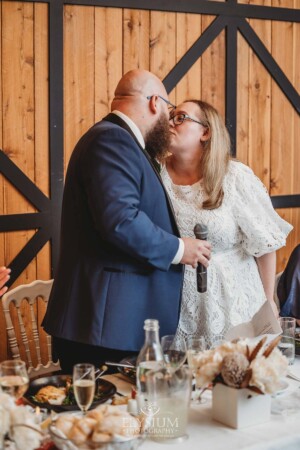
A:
[286, 405]
[262, 323]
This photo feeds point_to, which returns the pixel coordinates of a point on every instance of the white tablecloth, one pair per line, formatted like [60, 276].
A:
[282, 432]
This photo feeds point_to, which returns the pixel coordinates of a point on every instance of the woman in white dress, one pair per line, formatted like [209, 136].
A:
[206, 186]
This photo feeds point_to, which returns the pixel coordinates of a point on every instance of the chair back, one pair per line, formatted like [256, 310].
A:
[29, 329]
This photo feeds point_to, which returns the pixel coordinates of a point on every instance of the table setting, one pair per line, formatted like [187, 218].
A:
[280, 432]
[104, 391]
[65, 412]
[250, 399]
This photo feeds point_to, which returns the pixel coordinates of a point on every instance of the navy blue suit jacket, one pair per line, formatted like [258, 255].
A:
[118, 239]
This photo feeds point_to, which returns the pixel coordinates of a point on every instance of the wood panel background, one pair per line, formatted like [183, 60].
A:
[100, 44]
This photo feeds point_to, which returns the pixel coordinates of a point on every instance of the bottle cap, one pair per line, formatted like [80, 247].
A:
[151, 324]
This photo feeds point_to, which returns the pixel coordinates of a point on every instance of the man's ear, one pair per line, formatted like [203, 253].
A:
[152, 104]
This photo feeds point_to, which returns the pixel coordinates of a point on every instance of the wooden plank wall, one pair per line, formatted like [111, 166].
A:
[100, 44]
[24, 130]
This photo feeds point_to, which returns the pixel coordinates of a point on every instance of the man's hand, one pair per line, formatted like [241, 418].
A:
[196, 251]
[4, 277]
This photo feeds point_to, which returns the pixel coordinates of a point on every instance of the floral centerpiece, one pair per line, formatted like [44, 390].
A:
[19, 423]
[240, 371]
[240, 364]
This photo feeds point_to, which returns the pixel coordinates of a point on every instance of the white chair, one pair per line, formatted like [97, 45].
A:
[30, 334]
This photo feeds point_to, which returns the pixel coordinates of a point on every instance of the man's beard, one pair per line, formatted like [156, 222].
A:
[158, 139]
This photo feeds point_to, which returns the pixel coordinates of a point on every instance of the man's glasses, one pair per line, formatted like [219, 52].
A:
[179, 118]
[170, 105]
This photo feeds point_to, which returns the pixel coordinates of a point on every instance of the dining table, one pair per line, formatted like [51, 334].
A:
[281, 432]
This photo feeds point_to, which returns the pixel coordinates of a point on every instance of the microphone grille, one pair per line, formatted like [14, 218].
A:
[200, 231]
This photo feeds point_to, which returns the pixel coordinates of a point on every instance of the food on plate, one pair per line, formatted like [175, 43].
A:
[51, 394]
[60, 395]
[100, 438]
[96, 414]
[82, 429]
[122, 400]
[99, 425]
[65, 423]
[130, 372]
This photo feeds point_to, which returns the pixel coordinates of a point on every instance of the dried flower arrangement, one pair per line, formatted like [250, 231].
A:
[19, 423]
[240, 364]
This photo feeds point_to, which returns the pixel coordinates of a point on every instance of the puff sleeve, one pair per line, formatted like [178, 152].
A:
[263, 230]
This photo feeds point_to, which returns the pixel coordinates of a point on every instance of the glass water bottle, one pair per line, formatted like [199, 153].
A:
[151, 357]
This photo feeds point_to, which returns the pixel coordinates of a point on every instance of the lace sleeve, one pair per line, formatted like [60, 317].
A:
[263, 230]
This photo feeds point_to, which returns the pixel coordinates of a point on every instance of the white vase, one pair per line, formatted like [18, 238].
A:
[239, 408]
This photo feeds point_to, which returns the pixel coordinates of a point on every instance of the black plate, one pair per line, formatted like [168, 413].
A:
[130, 374]
[103, 387]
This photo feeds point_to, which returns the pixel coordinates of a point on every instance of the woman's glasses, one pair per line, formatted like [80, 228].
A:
[179, 118]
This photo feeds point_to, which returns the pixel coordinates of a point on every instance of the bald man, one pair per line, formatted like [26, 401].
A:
[121, 259]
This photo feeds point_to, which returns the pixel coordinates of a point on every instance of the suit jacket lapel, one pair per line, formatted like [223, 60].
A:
[113, 118]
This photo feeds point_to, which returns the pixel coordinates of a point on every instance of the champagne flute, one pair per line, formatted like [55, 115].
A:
[84, 385]
[174, 350]
[195, 346]
[14, 379]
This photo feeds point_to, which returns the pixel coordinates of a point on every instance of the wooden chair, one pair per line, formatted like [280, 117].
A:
[30, 338]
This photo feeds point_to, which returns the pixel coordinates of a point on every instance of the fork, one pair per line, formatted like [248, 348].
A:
[100, 372]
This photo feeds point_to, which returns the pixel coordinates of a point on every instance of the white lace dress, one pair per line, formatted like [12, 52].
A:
[244, 227]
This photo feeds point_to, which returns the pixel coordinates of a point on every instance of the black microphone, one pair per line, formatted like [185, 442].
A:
[201, 233]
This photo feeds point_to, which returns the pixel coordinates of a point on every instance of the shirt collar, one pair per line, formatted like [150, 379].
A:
[134, 128]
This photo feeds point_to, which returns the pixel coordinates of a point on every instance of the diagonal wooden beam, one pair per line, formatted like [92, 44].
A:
[270, 64]
[194, 53]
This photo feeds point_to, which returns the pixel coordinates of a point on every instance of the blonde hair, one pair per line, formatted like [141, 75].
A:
[216, 154]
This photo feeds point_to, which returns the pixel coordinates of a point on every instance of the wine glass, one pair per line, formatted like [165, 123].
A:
[195, 346]
[217, 340]
[14, 379]
[84, 385]
[174, 350]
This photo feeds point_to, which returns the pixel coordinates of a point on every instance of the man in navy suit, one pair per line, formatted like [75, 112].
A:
[121, 259]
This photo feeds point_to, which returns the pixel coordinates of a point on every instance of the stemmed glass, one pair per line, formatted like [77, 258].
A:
[195, 346]
[84, 385]
[14, 379]
[217, 340]
[174, 350]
